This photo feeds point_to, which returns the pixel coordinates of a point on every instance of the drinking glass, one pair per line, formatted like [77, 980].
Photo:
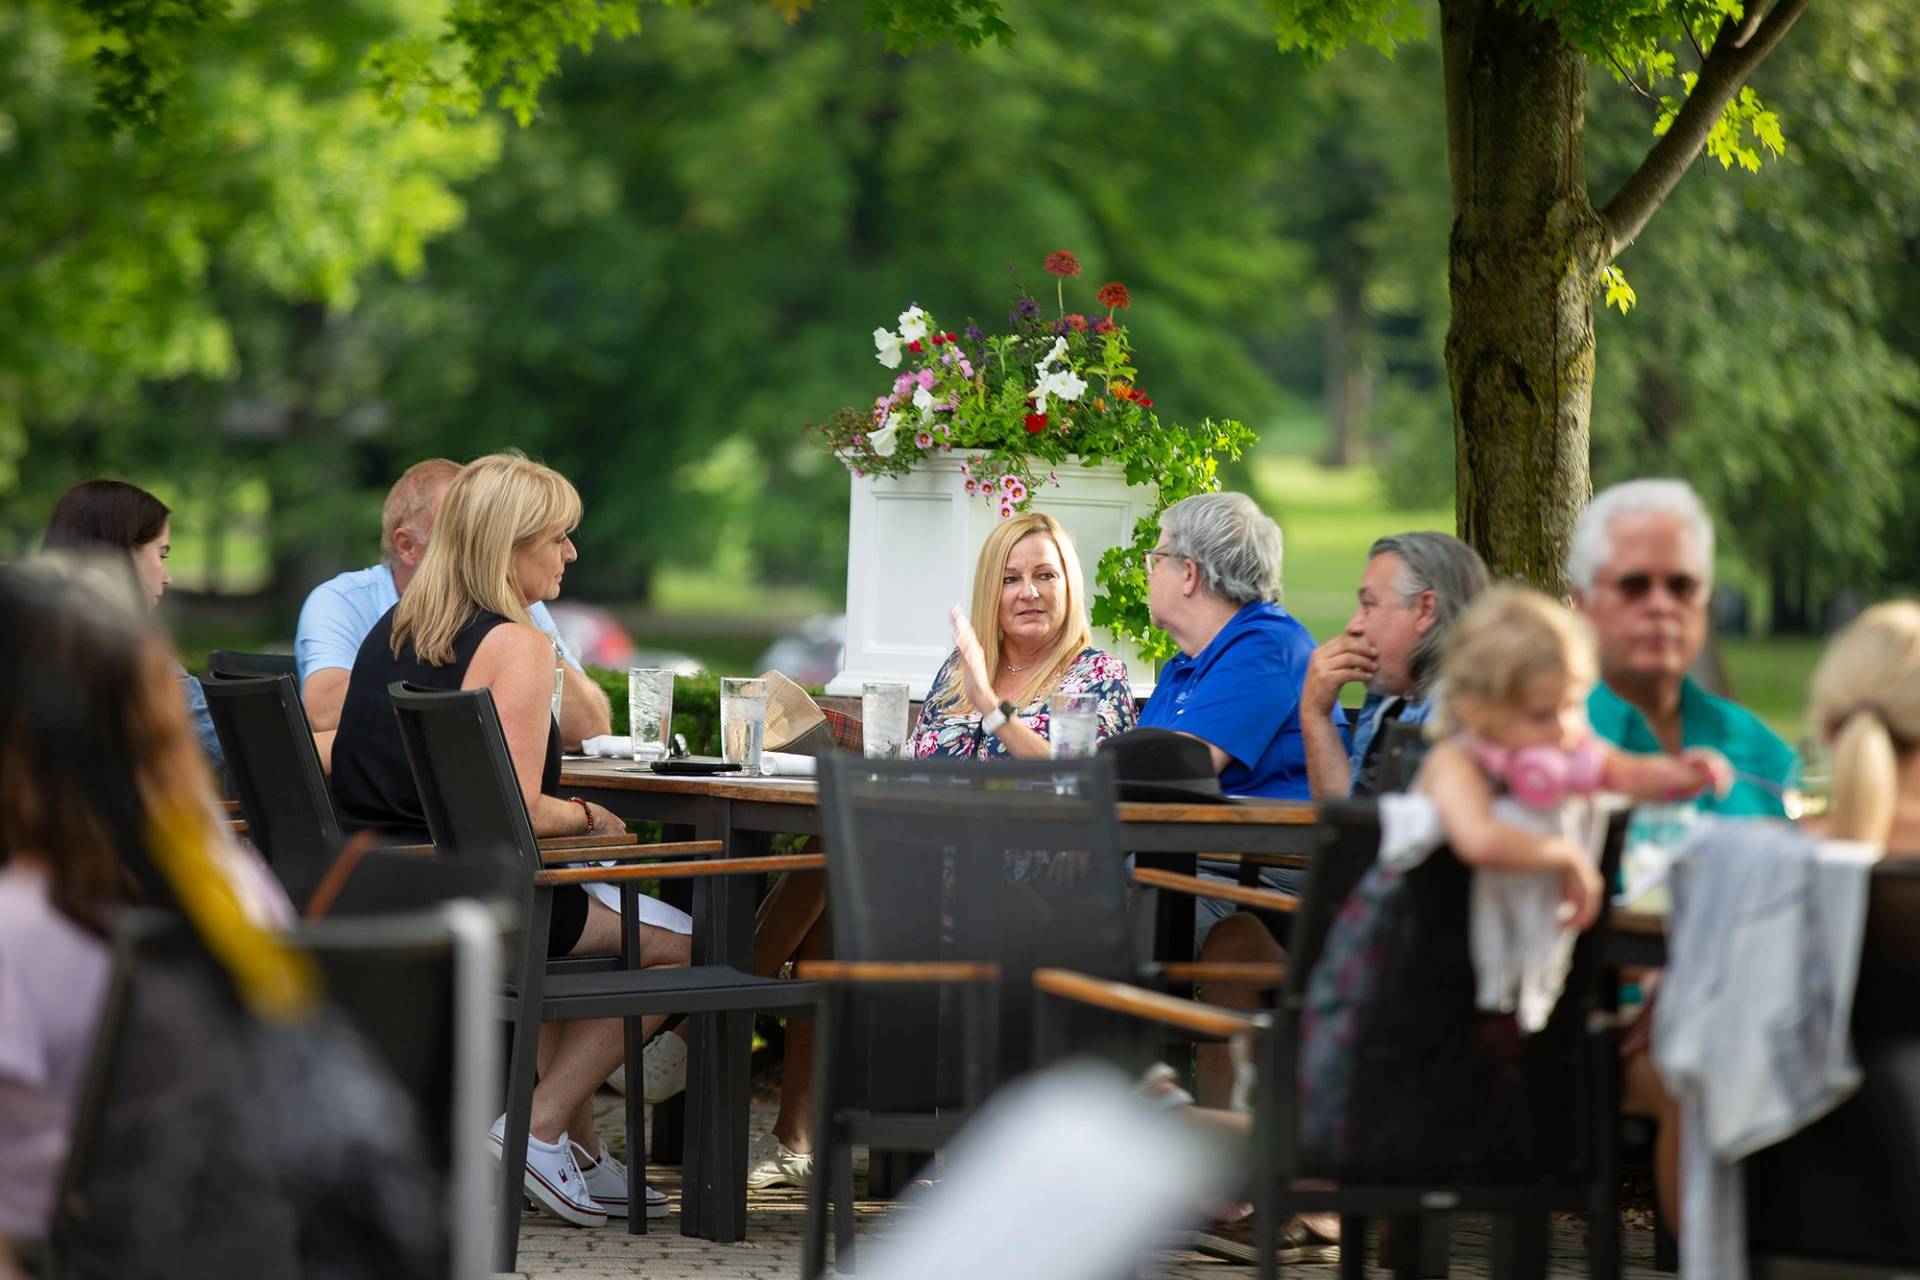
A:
[883, 719]
[649, 711]
[1073, 724]
[743, 722]
[1813, 779]
[559, 686]
[1654, 834]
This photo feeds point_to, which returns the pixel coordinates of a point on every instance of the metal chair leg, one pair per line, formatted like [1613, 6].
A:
[522, 1069]
[1353, 1246]
[826, 1143]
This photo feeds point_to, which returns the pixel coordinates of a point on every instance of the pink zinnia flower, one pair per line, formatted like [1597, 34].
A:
[924, 440]
[1008, 482]
[1006, 511]
[1017, 491]
[973, 486]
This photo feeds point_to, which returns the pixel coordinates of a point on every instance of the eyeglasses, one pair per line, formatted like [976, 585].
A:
[1683, 587]
[1147, 559]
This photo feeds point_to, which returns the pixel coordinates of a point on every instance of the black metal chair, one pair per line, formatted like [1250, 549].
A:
[472, 800]
[277, 777]
[402, 1044]
[233, 665]
[950, 884]
[1555, 1148]
[1840, 1196]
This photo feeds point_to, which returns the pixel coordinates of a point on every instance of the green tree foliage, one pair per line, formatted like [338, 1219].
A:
[152, 253]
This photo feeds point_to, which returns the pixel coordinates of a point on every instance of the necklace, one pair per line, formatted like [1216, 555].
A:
[1011, 667]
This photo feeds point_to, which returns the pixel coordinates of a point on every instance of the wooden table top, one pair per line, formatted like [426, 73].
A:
[624, 775]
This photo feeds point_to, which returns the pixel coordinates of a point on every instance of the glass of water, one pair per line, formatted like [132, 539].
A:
[743, 722]
[883, 719]
[649, 711]
[1073, 724]
[559, 682]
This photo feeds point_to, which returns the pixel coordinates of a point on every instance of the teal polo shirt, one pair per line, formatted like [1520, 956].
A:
[1706, 721]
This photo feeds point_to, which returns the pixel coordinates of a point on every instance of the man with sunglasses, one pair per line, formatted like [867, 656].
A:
[1641, 564]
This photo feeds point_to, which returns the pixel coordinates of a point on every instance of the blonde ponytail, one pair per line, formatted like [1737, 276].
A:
[1866, 703]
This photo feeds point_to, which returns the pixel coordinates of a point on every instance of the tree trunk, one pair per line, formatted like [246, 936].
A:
[1528, 246]
[1349, 381]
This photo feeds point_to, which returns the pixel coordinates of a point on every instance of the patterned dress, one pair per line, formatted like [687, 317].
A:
[951, 727]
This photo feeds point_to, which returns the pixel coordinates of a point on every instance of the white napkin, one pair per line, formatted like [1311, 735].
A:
[783, 764]
[614, 746]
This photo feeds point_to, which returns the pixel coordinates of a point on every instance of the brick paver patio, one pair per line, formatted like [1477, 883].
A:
[552, 1250]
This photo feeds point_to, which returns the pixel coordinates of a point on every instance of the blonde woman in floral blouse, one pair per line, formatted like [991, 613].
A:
[989, 700]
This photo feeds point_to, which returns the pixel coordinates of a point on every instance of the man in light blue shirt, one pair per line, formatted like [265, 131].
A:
[340, 612]
[1414, 586]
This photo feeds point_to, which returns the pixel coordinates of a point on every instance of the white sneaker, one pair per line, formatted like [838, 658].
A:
[607, 1184]
[618, 1080]
[664, 1064]
[553, 1178]
[770, 1164]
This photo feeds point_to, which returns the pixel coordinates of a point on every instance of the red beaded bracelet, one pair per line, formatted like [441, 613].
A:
[584, 809]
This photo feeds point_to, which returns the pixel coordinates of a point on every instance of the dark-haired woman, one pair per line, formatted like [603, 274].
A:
[112, 514]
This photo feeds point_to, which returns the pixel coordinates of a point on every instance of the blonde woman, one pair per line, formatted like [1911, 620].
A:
[1029, 640]
[502, 541]
[1866, 701]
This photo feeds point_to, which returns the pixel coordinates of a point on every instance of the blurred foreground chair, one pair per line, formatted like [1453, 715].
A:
[230, 664]
[1842, 1196]
[472, 801]
[950, 884]
[347, 1141]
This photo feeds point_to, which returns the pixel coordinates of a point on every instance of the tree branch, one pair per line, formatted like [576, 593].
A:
[1628, 77]
[1721, 76]
[1749, 24]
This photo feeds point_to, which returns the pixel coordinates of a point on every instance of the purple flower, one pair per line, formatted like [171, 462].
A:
[1009, 483]
[926, 379]
[966, 367]
[903, 383]
[1028, 308]
[975, 336]
[924, 440]
[1060, 327]
[1017, 492]
[858, 473]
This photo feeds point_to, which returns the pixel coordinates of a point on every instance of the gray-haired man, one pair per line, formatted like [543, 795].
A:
[1414, 586]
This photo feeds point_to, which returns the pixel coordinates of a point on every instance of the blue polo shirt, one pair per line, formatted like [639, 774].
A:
[1242, 694]
[1706, 721]
[340, 612]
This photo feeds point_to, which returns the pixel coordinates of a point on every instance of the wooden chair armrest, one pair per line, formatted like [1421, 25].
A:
[587, 842]
[1222, 974]
[552, 853]
[1298, 861]
[230, 807]
[1265, 899]
[879, 972]
[1149, 1006]
[1646, 923]
[238, 826]
[424, 850]
[680, 870]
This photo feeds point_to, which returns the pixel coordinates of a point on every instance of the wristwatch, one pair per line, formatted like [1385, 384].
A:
[991, 722]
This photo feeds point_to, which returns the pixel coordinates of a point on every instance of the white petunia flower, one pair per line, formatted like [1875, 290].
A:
[913, 324]
[923, 401]
[1059, 350]
[887, 345]
[885, 440]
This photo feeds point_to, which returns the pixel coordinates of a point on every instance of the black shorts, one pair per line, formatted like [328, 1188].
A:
[569, 919]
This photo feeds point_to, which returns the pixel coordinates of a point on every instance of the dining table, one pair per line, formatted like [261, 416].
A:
[746, 813]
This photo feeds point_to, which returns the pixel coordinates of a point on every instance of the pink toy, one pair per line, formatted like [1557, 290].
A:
[1542, 776]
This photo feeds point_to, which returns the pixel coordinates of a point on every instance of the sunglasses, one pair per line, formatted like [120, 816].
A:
[1682, 587]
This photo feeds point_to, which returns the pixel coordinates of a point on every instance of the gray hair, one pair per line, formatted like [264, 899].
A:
[1444, 565]
[1592, 544]
[1235, 543]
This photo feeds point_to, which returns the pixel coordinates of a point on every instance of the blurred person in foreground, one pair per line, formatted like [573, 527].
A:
[340, 612]
[1866, 707]
[97, 761]
[1641, 566]
[1028, 640]
[502, 541]
[112, 515]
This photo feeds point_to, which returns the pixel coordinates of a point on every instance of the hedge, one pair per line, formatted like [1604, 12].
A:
[696, 707]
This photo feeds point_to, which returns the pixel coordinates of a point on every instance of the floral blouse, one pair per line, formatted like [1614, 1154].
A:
[951, 727]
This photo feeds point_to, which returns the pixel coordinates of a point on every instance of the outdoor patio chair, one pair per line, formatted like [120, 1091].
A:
[231, 664]
[404, 1033]
[1554, 1147]
[950, 884]
[472, 801]
[276, 777]
[1840, 1196]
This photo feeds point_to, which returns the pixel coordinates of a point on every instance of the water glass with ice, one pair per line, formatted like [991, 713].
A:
[1073, 724]
[883, 719]
[649, 711]
[743, 722]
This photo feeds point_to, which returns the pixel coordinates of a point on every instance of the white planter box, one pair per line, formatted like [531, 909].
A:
[912, 542]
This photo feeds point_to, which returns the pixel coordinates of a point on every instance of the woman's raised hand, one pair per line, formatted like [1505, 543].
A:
[975, 679]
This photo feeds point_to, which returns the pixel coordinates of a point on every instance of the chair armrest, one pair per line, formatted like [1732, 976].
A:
[587, 842]
[230, 807]
[553, 853]
[1265, 899]
[885, 972]
[423, 850]
[1149, 1006]
[1220, 974]
[1298, 861]
[680, 870]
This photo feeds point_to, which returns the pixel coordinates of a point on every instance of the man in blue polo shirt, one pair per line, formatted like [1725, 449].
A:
[340, 612]
[1641, 563]
[1212, 582]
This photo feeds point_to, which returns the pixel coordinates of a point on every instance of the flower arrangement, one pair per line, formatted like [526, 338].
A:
[1022, 404]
